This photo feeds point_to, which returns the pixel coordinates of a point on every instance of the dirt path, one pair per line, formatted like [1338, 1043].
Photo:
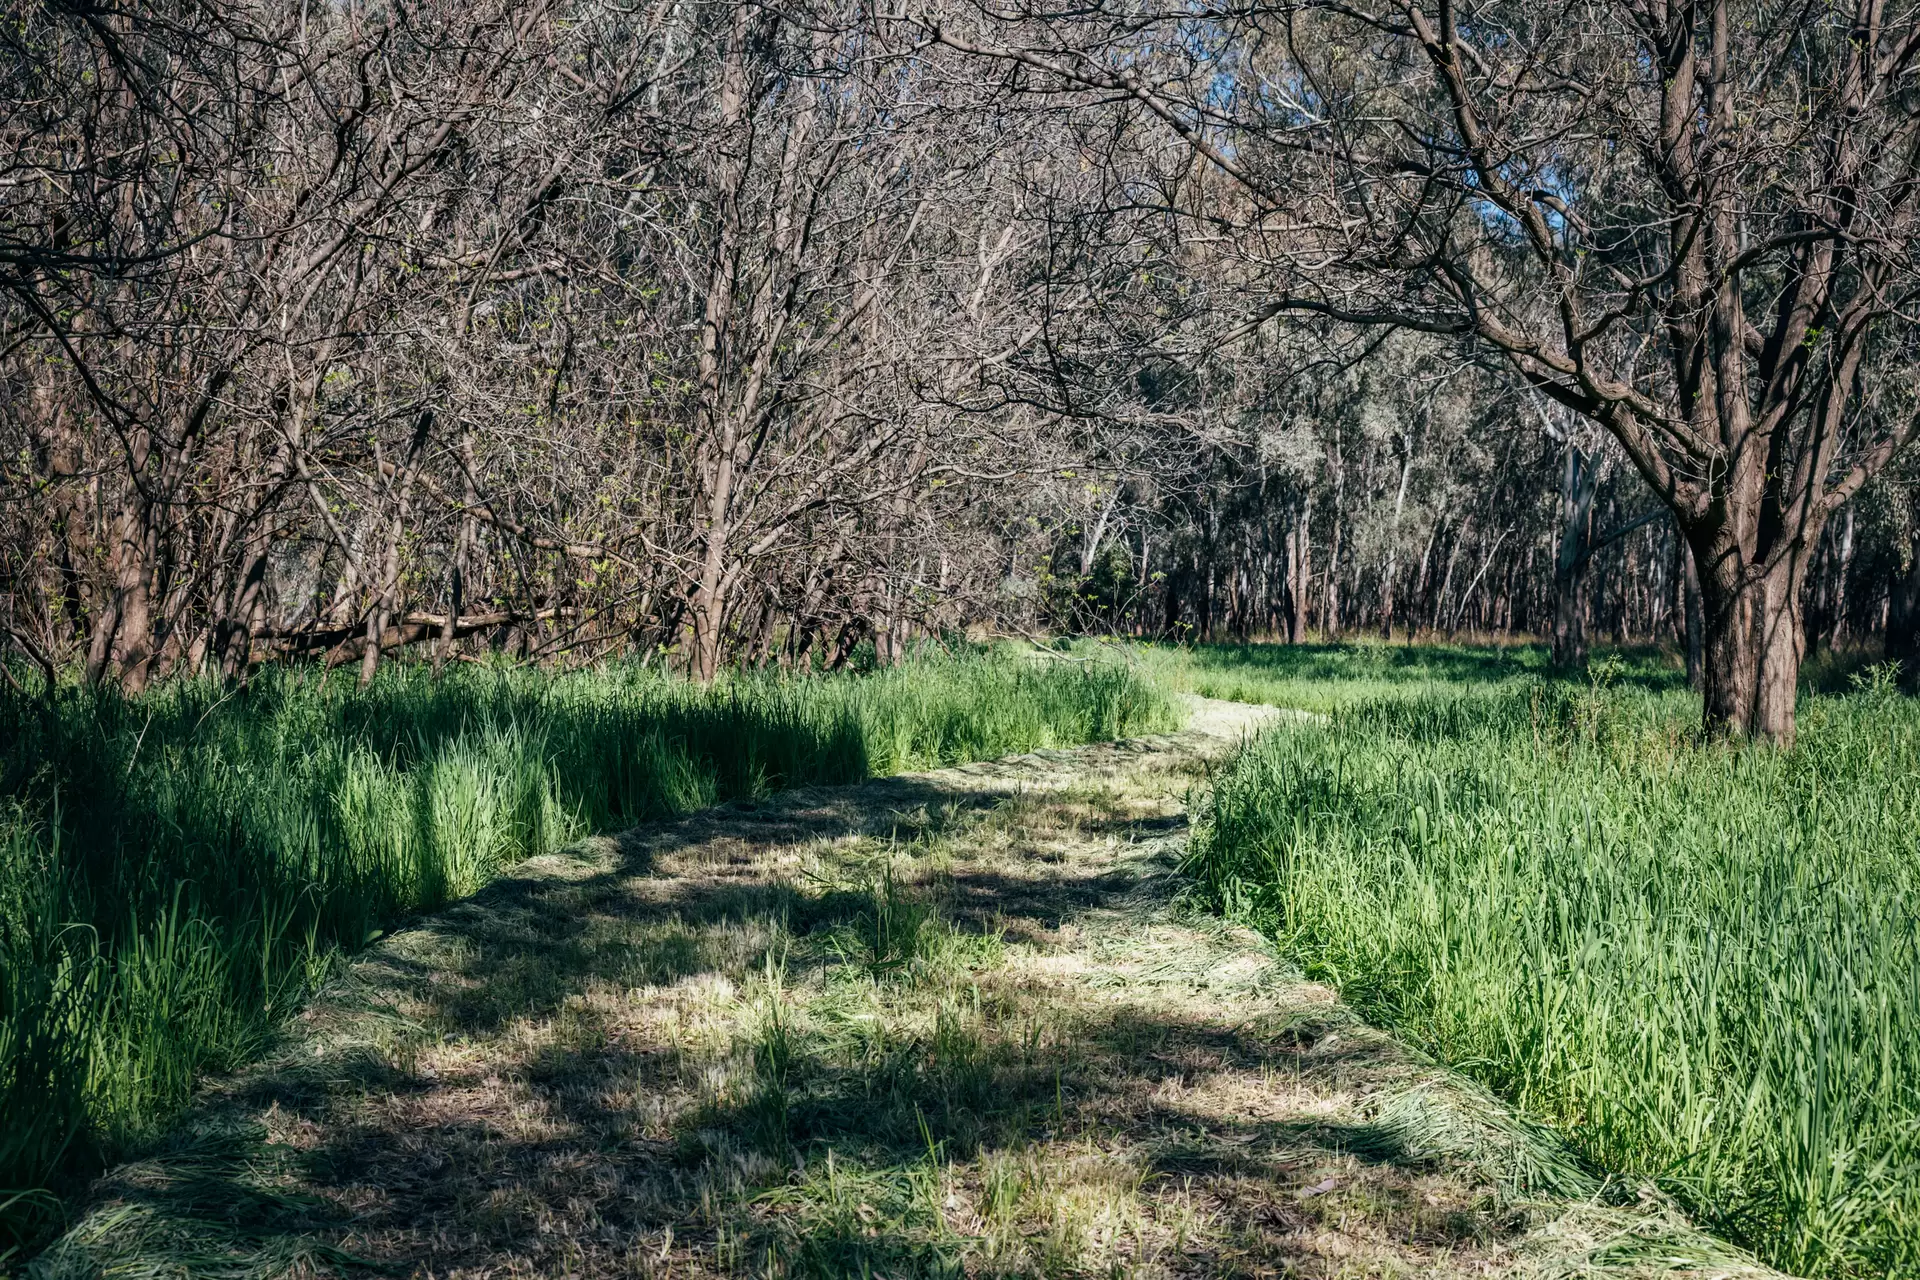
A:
[957, 1023]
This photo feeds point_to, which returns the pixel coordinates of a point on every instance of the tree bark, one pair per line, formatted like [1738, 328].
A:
[1752, 557]
[1299, 574]
[1780, 647]
[1579, 481]
[1728, 668]
[1903, 611]
[1392, 571]
[1693, 618]
[1330, 610]
[125, 644]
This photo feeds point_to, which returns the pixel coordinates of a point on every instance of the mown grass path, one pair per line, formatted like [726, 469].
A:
[956, 1023]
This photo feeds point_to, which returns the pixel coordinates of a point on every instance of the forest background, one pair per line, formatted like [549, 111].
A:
[725, 333]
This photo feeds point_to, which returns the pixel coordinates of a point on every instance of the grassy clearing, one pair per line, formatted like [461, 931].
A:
[178, 871]
[1322, 678]
[957, 1024]
[1700, 963]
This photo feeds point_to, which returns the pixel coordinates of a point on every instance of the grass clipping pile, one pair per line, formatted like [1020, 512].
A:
[939, 1025]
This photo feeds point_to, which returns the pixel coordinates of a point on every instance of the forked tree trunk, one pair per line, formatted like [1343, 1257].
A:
[1727, 669]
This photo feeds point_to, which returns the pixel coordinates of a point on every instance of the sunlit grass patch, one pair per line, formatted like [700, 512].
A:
[1323, 678]
[920, 1117]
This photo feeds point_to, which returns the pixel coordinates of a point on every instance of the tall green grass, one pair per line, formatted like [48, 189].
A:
[1701, 963]
[178, 870]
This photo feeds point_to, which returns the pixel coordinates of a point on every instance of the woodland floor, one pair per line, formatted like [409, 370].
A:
[957, 1023]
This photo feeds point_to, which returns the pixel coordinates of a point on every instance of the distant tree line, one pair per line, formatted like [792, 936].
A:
[1490, 518]
[719, 331]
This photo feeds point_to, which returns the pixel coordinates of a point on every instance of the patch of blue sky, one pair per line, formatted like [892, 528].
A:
[1548, 180]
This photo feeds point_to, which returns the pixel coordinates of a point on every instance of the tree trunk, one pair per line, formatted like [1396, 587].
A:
[762, 648]
[1752, 643]
[234, 641]
[708, 602]
[1903, 612]
[1330, 609]
[1392, 571]
[1142, 603]
[1780, 645]
[1446, 580]
[1578, 482]
[1423, 585]
[1569, 650]
[709, 610]
[1694, 625]
[125, 642]
[386, 598]
[1753, 637]
[1090, 542]
[1728, 667]
[1840, 563]
[1299, 571]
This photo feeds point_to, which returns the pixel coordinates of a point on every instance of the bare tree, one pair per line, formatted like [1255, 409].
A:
[716, 332]
[564, 328]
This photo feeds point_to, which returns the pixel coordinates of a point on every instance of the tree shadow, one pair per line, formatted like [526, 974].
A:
[479, 1087]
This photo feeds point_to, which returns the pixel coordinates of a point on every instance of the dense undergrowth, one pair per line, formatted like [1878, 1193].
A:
[1700, 962]
[178, 870]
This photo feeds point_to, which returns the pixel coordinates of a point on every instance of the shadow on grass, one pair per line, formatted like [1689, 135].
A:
[479, 1091]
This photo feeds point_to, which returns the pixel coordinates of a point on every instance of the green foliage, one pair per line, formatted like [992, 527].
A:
[1699, 962]
[179, 870]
